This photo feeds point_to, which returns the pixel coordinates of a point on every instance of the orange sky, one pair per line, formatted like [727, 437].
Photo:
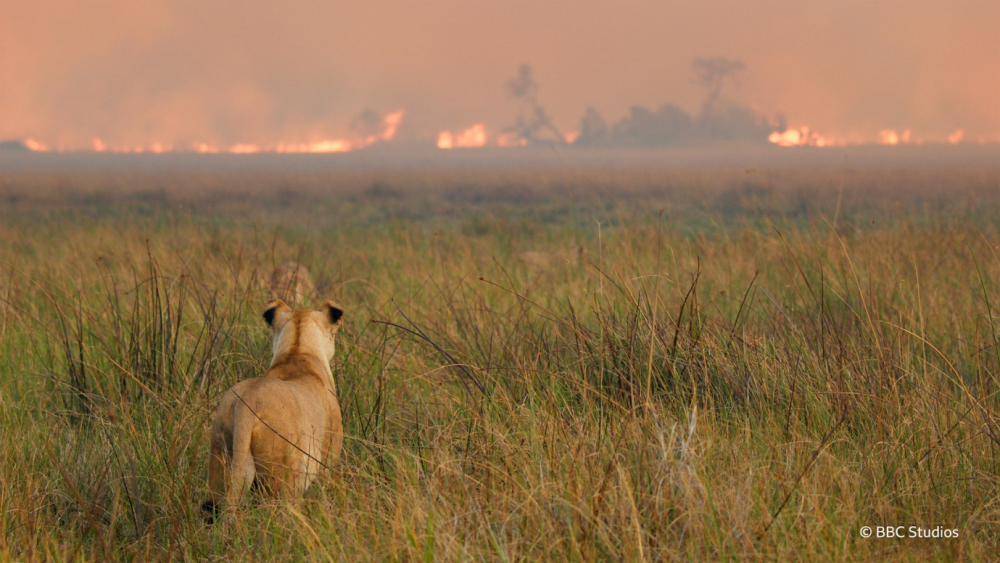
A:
[229, 72]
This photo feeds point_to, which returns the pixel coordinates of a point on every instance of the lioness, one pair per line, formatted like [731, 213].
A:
[277, 430]
[291, 281]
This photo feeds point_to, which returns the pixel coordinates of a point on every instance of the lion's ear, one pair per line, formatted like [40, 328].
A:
[275, 313]
[333, 311]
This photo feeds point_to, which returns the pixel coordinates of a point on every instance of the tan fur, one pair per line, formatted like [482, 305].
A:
[291, 282]
[280, 428]
[543, 260]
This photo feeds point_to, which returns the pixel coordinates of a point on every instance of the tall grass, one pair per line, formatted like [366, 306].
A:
[746, 382]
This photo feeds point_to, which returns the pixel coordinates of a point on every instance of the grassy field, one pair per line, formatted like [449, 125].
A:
[538, 364]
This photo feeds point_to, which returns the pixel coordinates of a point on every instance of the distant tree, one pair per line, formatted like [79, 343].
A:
[713, 73]
[593, 128]
[532, 123]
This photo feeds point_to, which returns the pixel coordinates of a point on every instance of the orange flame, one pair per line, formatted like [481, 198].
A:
[888, 137]
[473, 137]
[335, 145]
[387, 131]
[390, 123]
[801, 137]
[446, 140]
[34, 145]
[511, 140]
[892, 137]
[476, 136]
[244, 148]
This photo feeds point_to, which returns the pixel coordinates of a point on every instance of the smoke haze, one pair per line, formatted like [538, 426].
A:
[269, 72]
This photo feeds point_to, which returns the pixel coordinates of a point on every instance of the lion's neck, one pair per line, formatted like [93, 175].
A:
[297, 350]
[302, 364]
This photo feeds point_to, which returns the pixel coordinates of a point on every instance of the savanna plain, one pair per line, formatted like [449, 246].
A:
[624, 364]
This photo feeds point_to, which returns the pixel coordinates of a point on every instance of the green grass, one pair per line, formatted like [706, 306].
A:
[573, 365]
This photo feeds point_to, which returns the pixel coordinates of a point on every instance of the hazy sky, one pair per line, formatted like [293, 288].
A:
[220, 71]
